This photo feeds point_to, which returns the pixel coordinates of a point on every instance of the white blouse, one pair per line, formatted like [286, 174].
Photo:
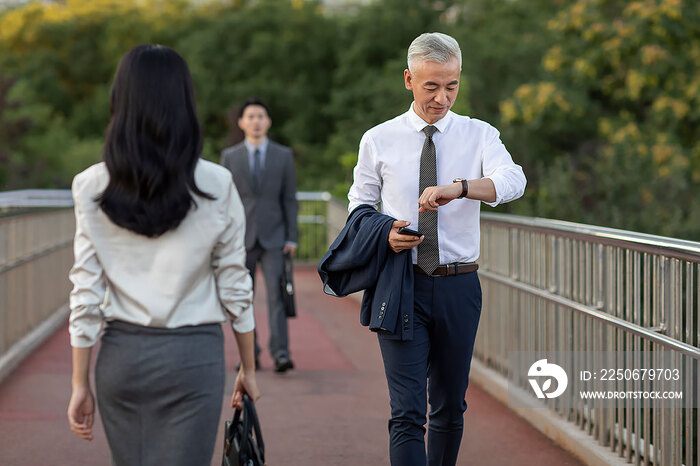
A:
[187, 276]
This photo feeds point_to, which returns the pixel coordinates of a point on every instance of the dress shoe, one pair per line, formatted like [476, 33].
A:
[283, 364]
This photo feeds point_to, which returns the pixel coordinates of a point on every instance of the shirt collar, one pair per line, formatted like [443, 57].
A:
[418, 123]
[251, 148]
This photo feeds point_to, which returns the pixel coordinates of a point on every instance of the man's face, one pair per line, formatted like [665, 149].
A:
[255, 122]
[435, 87]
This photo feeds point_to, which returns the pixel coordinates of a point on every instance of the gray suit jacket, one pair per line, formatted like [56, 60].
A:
[270, 213]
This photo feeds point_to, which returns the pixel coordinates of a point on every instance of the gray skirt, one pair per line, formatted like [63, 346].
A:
[159, 392]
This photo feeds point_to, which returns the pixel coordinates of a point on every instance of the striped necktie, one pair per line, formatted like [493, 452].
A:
[428, 250]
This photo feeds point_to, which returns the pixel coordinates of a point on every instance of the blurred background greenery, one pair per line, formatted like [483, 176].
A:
[598, 100]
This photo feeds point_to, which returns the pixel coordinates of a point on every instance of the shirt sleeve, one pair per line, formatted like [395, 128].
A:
[233, 282]
[508, 177]
[88, 280]
[367, 182]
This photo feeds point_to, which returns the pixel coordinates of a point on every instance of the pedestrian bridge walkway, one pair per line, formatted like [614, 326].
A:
[331, 410]
[549, 288]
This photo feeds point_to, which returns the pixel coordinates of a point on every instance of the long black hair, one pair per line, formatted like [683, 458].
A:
[153, 143]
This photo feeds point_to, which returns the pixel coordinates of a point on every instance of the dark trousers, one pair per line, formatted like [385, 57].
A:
[272, 263]
[447, 311]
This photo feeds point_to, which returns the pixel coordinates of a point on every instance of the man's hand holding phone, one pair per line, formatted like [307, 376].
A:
[408, 231]
[402, 238]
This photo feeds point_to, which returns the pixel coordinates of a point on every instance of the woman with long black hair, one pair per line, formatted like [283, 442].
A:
[159, 263]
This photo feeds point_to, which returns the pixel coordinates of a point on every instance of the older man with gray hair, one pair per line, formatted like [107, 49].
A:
[432, 168]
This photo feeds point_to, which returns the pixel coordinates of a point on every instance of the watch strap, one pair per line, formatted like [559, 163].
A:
[465, 187]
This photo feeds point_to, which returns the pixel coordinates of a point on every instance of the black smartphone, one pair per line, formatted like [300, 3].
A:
[408, 231]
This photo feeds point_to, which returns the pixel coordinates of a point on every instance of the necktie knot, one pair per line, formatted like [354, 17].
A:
[429, 130]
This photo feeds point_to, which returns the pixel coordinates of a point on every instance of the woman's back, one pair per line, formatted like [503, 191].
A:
[168, 281]
[158, 261]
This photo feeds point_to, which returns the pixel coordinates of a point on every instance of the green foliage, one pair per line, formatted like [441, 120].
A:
[58, 61]
[279, 51]
[502, 45]
[368, 85]
[617, 111]
[597, 99]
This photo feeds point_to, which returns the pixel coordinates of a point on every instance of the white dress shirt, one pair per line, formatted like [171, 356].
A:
[188, 276]
[388, 169]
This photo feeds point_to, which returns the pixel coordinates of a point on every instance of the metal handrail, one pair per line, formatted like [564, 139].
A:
[642, 242]
[650, 335]
[552, 286]
[36, 198]
[63, 198]
[36, 237]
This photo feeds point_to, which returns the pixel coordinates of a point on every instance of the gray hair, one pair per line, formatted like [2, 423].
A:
[434, 46]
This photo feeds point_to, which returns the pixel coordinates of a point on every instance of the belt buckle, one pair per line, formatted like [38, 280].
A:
[447, 269]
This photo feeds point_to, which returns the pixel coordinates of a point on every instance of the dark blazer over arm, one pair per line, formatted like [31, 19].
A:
[360, 259]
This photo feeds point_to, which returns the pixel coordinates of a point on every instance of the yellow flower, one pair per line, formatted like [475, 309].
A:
[612, 44]
[525, 91]
[671, 8]
[679, 108]
[652, 53]
[584, 68]
[545, 91]
[508, 110]
[633, 9]
[627, 133]
[555, 25]
[661, 153]
[561, 102]
[553, 59]
[635, 83]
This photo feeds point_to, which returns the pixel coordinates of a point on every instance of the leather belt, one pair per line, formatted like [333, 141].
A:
[456, 268]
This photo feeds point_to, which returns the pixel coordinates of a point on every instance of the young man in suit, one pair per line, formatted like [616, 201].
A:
[263, 172]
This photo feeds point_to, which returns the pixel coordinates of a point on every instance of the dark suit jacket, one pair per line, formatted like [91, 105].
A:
[360, 259]
[271, 212]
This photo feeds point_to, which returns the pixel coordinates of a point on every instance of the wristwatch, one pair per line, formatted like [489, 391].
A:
[465, 187]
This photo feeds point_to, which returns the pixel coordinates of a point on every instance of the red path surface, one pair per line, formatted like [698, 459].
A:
[331, 410]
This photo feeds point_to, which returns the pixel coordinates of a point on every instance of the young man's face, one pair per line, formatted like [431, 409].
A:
[254, 122]
[435, 87]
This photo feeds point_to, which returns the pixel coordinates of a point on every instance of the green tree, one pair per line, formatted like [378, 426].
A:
[611, 126]
[58, 59]
[368, 85]
[282, 52]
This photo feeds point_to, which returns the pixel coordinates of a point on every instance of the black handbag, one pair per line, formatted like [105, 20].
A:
[290, 309]
[243, 442]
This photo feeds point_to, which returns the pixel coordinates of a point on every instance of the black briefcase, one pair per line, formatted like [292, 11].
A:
[243, 442]
[288, 287]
